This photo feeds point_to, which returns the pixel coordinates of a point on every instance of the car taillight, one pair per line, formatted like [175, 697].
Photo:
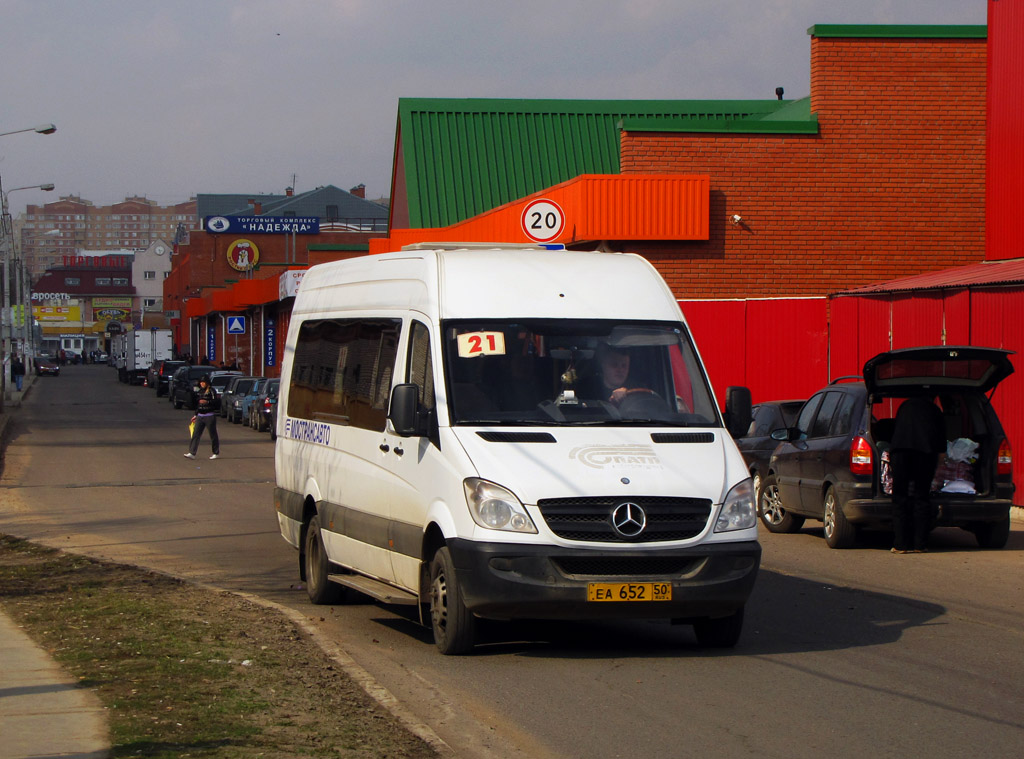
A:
[1004, 462]
[267, 404]
[860, 456]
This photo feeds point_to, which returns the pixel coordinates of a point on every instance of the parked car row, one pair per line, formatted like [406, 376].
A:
[242, 399]
[252, 401]
[827, 459]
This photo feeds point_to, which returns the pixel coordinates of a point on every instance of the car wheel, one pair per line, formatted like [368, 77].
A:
[992, 534]
[453, 624]
[773, 514]
[723, 632]
[177, 403]
[838, 532]
[318, 587]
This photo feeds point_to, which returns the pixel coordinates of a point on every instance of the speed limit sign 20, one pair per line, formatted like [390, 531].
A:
[543, 220]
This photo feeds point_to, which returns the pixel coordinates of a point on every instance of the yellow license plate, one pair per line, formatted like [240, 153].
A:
[629, 591]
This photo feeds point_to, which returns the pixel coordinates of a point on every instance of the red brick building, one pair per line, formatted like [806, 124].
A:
[889, 185]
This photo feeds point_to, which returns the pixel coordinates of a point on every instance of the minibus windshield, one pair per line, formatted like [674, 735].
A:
[571, 372]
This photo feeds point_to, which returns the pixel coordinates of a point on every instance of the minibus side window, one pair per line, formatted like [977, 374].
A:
[342, 372]
[421, 371]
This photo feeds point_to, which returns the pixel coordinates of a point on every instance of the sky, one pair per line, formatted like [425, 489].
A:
[170, 99]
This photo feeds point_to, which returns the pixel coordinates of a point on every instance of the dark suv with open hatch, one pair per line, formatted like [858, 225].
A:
[831, 465]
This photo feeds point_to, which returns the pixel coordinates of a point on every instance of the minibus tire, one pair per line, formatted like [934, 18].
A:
[318, 587]
[723, 632]
[453, 624]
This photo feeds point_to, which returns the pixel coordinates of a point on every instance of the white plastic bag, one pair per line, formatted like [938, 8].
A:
[962, 449]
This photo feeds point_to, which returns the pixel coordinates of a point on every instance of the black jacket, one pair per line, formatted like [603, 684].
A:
[207, 401]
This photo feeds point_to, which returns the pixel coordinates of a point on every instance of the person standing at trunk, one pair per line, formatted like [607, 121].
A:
[917, 440]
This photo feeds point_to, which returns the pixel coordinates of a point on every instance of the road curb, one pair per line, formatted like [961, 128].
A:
[336, 653]
[348, 665]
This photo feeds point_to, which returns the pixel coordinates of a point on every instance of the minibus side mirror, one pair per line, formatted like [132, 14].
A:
[403, 411]
[737, 410]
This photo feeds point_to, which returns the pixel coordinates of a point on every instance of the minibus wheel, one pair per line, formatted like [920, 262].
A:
[453, 624]
[320, 589]
[723, 632]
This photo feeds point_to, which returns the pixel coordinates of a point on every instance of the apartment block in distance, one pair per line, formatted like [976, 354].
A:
[49, 233]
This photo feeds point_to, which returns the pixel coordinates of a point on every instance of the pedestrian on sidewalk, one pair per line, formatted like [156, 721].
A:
[206, 416]
[17, 371]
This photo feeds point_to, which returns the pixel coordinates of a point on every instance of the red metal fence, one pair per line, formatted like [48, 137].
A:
[788, 348]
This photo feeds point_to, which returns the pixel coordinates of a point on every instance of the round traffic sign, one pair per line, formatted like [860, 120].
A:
[543, 220]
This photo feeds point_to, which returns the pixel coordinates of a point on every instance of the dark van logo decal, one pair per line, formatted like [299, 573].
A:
[307, 431]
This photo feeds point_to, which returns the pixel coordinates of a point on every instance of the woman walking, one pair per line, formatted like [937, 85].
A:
[206, 416]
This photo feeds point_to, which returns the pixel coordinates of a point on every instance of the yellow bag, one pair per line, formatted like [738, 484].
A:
[191, 428]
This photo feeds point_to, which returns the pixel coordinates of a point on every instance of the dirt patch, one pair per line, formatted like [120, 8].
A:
[187, 671]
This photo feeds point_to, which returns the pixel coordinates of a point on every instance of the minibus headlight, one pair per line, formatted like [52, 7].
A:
[738, 510]
[495, 508]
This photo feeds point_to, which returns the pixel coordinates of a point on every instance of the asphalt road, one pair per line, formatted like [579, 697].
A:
[845, 653]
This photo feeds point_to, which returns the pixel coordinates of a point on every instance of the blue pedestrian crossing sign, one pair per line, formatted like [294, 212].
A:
[236, 325]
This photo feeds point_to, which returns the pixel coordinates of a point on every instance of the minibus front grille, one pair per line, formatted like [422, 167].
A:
[591, 519]
[629, 566]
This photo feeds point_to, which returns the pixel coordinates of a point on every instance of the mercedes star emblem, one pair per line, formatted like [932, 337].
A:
[629, 519]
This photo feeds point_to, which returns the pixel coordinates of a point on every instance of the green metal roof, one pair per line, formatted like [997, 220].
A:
[463, 157]
[791, 117]
[899, 30]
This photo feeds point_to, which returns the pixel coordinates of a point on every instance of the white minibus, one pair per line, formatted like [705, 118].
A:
[496, 432]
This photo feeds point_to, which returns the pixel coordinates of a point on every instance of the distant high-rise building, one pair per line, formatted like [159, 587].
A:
[50, 232]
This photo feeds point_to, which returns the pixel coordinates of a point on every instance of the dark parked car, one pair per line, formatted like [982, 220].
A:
[757, 445]
[244, 402]
[832, 464]
[236, 386]
[264, 406]
[163, 374]
[184, 386]
[46, 365]
[220, 379]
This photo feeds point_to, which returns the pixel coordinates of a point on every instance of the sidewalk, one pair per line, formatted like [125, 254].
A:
[43, 711]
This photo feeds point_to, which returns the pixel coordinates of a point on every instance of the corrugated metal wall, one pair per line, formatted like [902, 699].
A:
[990, 317]
[788, 348]
[1004, 144]
[777, 348]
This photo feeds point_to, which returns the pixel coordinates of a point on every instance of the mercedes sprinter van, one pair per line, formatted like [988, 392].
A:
[510, 433]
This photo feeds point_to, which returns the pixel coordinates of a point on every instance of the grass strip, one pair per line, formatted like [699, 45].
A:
[189, 672]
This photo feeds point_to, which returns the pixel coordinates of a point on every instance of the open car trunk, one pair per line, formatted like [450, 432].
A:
[958, 379]
[972, 446]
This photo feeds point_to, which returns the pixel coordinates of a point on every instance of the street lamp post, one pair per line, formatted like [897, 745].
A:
[24, 282]
[39, 129]
[6, 246]
[5, 232]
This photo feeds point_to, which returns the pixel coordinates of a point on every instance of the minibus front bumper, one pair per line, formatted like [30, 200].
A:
[517, 581]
